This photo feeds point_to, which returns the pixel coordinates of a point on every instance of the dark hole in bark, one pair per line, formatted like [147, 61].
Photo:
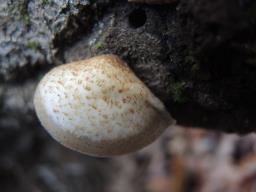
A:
[137, 18]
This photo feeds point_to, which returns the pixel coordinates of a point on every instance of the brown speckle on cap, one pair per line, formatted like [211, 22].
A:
[99, 107]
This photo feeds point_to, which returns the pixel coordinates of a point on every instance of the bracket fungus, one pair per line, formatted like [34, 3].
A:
[99, 107]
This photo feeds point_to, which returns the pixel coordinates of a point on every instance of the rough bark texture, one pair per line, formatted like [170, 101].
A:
[197, 56]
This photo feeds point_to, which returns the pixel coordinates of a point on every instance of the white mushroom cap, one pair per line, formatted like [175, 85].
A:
[99, 107]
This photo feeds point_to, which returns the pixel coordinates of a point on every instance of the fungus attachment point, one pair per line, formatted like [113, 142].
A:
[99, 107]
